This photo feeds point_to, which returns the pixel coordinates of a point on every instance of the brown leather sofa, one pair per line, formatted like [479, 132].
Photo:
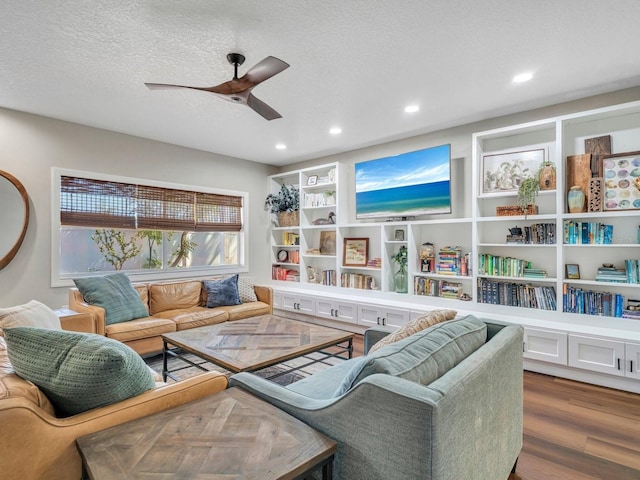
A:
[36, 445]
[172, 306]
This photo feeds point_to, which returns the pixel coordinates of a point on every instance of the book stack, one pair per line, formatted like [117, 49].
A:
[535, 273]
[290, 238]
[374, 262]
[540, 233]
[450, 261]
[432, 287]
[357, 280]
[611, 274]
[497, 266]
[632, 267]
[329, 277]
[281, 273]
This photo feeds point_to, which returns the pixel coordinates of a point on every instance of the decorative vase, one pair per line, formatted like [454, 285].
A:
[400, 280]
[575, 199]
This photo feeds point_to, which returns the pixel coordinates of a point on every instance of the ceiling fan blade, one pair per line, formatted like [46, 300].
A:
[264, 70]
[262, 108]
[167, 86]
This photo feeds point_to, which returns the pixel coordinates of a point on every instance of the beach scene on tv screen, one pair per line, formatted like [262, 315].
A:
[409, 184]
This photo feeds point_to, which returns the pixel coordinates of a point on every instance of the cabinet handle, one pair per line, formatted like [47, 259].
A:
[337, 313]
[378, 321]
[332, 313]
[384, 321]
[524, 347]
[618, 364]
[631, 366]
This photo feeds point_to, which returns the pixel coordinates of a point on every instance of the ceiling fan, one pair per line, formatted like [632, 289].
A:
[238, 90]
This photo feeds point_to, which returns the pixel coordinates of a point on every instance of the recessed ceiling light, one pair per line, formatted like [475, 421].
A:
[335, 131]
[281, 146]
[523, 77]
[411, 108]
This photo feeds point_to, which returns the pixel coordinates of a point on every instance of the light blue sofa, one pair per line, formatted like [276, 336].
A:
[403, 424]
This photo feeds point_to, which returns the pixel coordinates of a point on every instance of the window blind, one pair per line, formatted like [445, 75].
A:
[102, 204]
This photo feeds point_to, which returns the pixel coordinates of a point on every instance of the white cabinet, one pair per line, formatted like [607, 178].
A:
[298, 303]
[376, 315]
[545, 345]
[597, 354]
[337, 310]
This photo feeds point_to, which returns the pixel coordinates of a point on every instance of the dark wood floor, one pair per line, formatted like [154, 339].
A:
[575, 431]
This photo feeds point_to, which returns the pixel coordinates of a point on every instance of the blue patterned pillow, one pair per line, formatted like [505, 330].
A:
[77, 371]
[115, 294]
[221, 293]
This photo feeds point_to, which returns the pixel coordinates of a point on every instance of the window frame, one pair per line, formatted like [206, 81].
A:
[59, 280]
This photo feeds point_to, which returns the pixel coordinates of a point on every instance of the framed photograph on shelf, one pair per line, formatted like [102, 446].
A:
[356, 252]
[572, 271]
[502, 172]
[328, 242]
[621, 172]
[312, 180]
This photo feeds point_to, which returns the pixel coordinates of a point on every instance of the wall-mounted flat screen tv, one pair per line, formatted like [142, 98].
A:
[405, 185]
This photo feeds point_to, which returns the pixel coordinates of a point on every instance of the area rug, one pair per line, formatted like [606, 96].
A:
[282, 374]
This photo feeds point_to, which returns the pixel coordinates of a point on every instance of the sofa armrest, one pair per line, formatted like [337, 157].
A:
[373, 336]
[54, 439]
[77, 304]
[265, 295]
[81, 322]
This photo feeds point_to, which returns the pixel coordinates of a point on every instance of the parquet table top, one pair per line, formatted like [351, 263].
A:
[231, 435]
[257, 342]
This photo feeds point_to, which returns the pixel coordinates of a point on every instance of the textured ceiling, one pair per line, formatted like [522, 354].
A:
[354, 63]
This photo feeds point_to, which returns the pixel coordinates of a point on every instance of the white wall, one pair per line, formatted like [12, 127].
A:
[30, 145]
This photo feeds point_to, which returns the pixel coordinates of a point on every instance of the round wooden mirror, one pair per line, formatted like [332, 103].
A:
[14, 216]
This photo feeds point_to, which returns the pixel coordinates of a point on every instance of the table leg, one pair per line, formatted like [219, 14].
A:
[327, 469]
[350, 347]
[164, 361]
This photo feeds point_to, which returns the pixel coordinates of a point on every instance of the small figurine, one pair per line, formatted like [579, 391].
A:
[326, 221]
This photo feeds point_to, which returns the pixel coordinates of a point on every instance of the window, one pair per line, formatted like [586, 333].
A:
[148, 230]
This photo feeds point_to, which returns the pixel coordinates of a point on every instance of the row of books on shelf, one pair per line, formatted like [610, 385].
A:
[591, 302]
[436, 288]
[328, 277]
[290, 238]
[357, 280]
[284, 274]
[536, 233]
[629, 274]
[586, 233]
[498, 266]
[317, 200]
[516, 294]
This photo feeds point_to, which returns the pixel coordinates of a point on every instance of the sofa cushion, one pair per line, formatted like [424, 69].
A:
[77, 371]
[31, 314]
[140, 328]
[246, 290]
[424, 356]
[222, 292]
[414, 326]
[246, 310]
[114, 293]
[171, 296]
[12, 386]
[186, 318]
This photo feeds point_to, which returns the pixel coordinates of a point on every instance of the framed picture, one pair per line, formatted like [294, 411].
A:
[503, 171]
[399, 235]
[328, 242]
[572, 271]
[356, 252]
[621, 172]
[312, 180]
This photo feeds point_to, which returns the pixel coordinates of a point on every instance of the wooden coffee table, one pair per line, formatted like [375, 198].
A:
[231, 434]
[255, 343]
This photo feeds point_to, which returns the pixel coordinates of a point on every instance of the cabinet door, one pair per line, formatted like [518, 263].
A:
[596, 354]
[375, 316]
[298, 303]
[545, 345]
[632, 359]
[337, 310]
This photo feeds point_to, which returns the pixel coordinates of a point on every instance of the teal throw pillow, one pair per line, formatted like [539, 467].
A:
[77, 371]
[424, 356]
[115, 294]
[222, 293]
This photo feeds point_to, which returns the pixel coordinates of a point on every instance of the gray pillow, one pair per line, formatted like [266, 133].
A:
[115, 294]
[222, 293]
[77, 371]
[424, 356]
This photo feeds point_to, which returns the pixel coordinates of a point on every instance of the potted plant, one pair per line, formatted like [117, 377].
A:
[285, 205]
[527, 194]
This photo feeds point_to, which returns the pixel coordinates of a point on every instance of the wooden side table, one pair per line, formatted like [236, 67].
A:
[230, 433]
